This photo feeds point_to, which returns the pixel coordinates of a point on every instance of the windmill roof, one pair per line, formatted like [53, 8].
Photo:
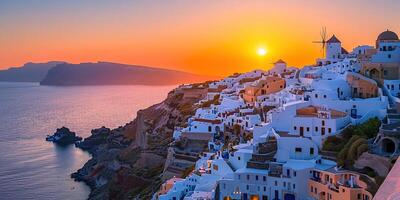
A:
[280, 61]
[333, 39]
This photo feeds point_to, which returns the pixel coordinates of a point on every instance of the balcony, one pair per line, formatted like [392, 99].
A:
[330, 186]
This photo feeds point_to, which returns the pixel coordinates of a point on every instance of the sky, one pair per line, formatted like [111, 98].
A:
[213, 37]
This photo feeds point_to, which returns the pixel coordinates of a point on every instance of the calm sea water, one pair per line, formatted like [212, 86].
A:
[30, 167]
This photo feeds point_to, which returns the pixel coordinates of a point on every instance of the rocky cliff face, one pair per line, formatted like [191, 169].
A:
[128, 161]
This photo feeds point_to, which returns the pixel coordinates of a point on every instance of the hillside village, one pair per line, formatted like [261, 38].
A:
[324, 131]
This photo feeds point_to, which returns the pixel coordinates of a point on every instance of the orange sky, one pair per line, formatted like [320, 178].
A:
[206, 37]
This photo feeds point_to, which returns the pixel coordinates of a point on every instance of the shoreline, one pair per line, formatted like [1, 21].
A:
[129, 161]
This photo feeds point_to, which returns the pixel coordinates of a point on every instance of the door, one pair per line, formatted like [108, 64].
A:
[301, 131]
[244, 197]
[289, 197]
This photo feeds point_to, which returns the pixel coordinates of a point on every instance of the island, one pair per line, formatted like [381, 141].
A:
[107, 73]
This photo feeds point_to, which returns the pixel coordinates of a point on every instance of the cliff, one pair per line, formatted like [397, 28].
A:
[106, 73]
[29, 72]
[128, 162]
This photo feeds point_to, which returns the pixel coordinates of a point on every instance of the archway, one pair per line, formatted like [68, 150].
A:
[321, 196]
[388, 146]
[374, 74]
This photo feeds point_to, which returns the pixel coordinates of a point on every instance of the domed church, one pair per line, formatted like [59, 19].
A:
[384, 64]
[386, 36]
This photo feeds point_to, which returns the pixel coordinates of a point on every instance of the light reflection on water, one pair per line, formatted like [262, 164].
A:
[30, 167]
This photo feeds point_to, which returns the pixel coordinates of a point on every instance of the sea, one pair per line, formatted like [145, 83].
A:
[32, 168]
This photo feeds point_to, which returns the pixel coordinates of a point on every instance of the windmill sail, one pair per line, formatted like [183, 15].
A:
[323, 40]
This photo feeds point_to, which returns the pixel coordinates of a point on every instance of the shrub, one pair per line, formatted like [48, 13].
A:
[342, 156]
[352, 155]
[333, 143]
[369, 129]
[361, 149]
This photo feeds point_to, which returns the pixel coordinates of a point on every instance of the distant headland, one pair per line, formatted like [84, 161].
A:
[99, 73]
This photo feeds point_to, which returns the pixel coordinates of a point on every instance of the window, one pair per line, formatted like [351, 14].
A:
[284, 184]
[294, 186]
[265, 188]
[256, 177]
[295, 128]
[323, 123]
[389, 56]
[324, 96]
[316, 129]
[276, 183]
[294, 174]
[298, 149]
[215, 167]
[329, 130]
[209, 128]
[238, 157]
[239, 176]
[264, 178]
[248, 177]
[311, 151]
[308, 129]
[247, 187]
[316, 95]
[358, 196]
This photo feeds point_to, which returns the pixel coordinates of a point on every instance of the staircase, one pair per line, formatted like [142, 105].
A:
[264, 153]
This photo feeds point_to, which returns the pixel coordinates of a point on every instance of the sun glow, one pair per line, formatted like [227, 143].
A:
[261, 51]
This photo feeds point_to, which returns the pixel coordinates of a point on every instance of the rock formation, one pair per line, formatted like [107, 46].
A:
[128, 162]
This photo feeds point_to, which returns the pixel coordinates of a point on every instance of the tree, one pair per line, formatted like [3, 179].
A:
[352, 155]
[361, 149]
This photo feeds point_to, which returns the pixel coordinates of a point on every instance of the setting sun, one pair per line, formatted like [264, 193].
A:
[261, 51]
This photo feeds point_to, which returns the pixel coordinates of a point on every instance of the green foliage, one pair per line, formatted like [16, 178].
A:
[333, 143]
[367, 130]
[352, 155]
[342, 157]
[361, 149]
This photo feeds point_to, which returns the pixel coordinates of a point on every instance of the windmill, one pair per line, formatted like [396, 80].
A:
[323, 40]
